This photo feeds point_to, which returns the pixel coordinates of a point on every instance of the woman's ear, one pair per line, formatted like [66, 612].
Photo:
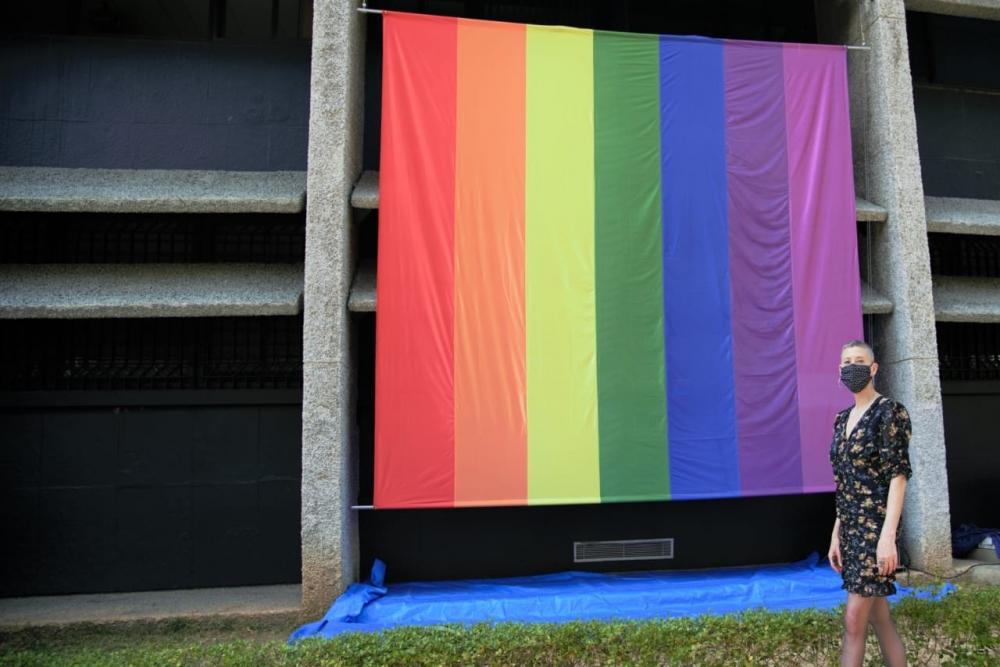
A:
[874, 368]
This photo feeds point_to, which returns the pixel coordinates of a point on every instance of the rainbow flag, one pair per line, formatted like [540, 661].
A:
[611, 267]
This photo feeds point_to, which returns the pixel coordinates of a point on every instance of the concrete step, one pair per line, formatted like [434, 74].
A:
[869, 212]
[365, 192]
[953, 215]
[74, 291]
[362, 298]
[874, 303]
[976, 9]
[365, 196]
[963, 299]
[239, 602]
[151, 190]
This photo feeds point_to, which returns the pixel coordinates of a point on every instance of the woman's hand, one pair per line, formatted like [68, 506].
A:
[834, 555]
[886, 556]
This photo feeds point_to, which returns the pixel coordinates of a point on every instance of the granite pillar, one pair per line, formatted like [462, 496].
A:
[887, 173]
[329, 439]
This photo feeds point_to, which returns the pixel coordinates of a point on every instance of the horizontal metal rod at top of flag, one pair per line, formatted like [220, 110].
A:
[367, 10]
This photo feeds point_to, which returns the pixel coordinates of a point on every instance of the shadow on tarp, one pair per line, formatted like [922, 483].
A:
[571, 596]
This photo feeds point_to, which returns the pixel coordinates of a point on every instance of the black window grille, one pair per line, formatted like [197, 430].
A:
[872, 332]
[155, 353]
[968, 351]
[38, 238]
[964, 255]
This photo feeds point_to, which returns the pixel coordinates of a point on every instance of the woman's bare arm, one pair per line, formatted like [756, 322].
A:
[888, 559]
[834, 553]
[894, 506]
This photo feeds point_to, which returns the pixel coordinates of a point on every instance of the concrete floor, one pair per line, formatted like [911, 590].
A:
[150, 605]
[981, 572]
[963, 571]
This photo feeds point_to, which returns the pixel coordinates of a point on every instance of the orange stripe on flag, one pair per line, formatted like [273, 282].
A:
[490, 392]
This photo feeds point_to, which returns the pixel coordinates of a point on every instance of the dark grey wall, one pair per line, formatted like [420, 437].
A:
[514, 541]
[970, 428]
[147, 104]
[959, 142]
[111, 498]
[956, 91]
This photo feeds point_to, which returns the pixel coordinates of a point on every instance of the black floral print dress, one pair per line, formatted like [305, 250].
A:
[864, 462]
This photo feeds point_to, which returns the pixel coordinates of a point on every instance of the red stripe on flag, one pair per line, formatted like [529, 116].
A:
[414, 347]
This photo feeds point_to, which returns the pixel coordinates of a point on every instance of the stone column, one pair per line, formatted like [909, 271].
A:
[329, 443]
[887, 173]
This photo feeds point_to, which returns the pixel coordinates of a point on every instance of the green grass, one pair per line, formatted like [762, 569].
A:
[963, 629]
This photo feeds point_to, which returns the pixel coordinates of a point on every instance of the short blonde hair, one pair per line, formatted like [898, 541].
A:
[857, 342]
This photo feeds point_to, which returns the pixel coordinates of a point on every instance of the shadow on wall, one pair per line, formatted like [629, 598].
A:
[956, 95]
[149, 104]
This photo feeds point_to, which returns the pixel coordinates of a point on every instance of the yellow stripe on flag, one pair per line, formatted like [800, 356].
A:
[563, 459]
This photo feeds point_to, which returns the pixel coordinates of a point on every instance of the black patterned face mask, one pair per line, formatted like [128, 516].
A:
[855, 376]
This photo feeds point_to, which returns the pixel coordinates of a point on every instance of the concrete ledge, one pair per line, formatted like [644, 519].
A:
[874, 303]
[976, 9]
[365, 193]
[953, 215]
[151, 190]
[362, 298]
[869, 212]
[241, 601]
[74, 291]
[961, 299]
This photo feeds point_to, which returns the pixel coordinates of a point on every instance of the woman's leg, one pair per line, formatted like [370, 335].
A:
[893, 653]
[856, 614]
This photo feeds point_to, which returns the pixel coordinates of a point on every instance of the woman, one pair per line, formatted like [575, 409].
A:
[871, 464]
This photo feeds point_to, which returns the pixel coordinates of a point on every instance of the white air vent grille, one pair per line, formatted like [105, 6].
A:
[612, 550]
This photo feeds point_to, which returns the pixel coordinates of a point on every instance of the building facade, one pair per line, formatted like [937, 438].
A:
[188, 302]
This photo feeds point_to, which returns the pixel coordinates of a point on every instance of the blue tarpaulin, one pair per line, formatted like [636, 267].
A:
[567, 596]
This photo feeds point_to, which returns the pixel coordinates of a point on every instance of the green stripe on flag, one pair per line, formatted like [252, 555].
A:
[631, 382]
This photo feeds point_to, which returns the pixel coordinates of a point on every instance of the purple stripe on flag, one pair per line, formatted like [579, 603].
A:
[825, 276]
[760, 270]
